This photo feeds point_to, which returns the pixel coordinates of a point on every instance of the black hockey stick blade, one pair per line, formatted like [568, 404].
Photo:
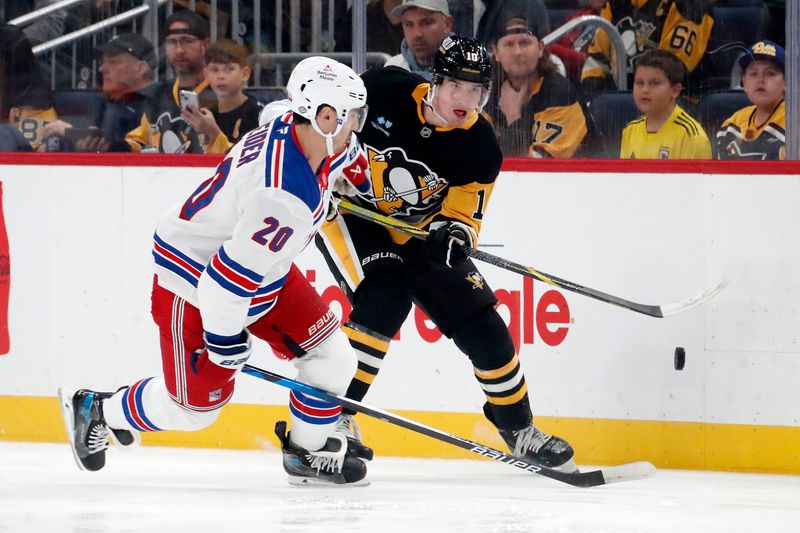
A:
[614, 474]
[658, 311]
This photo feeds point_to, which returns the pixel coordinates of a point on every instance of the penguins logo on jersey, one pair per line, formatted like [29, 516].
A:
[637, 36]
[401, 185]
[174, 135]
[476, 279]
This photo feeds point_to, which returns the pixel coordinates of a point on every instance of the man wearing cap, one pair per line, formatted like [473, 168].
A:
[162, 129]
[758, 131]
[535, 110]
[425, 25]
[127, 65]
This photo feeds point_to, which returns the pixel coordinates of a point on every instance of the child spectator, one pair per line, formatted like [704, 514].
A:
[758, 131]
[235, 113]
[535, 110]
[682, 27]
[665, 131]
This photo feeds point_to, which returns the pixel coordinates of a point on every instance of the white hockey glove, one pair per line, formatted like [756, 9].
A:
[353, 175]
[225, 354]
[446, 241]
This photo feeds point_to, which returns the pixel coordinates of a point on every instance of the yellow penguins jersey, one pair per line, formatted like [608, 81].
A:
[420, 171]
[681, 137]
[741, 138]
[31, 122]
[552, 124]
[682, 27]
[162, 129]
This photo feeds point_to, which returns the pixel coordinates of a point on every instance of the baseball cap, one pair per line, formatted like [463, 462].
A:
[430, 5]
[765, 50]
[516, 25]
[197, 24]
[136, 45]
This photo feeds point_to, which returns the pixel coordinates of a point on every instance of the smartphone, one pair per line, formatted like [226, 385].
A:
[189, 99]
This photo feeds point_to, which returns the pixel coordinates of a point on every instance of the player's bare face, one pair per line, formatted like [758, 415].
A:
[764, 83]
[652, 91]
[424, 31]
[457, 101]
[185, 53]
[518, 54]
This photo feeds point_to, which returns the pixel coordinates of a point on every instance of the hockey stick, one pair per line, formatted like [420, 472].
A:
[658, 311]
[613, 474]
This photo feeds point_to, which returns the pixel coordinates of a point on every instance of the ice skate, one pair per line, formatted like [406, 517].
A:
[332, 465]
[87, 430]
[347, 426]
[533, 445]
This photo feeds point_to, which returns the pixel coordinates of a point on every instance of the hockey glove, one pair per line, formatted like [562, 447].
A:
[223, 353]
[354, 176]
[445, 243]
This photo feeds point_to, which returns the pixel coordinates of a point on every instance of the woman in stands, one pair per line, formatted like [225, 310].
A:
[758, 131]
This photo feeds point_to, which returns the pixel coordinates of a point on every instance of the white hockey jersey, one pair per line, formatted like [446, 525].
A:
[228, 248]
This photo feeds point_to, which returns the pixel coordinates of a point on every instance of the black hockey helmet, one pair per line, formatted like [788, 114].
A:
[462, 58]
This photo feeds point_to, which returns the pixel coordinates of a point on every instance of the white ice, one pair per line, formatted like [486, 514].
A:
[174, 490]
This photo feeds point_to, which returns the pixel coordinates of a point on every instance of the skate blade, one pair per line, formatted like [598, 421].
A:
[299, 481]
[68, 414]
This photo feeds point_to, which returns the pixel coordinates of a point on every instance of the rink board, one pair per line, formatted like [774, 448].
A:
[81, 270]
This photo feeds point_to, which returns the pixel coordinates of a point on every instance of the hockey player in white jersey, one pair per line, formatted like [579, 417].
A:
[225, 272]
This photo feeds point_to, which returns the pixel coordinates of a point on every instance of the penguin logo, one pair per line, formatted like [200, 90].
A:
[402, 185]
[476, 279]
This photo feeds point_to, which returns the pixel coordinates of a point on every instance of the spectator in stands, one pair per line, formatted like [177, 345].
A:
[573, 47]
[29, 101]
[384, 32]
[758, 131]
[127, 65]
[535, 110]
[425, 25]
[236, 113]
[162, 128]
[497, 12]
[681, 27]
[664, 131]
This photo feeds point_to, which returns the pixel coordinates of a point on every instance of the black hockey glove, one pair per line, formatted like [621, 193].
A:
[445, 243]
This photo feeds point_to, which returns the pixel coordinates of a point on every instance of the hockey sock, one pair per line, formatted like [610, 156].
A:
[370, 348]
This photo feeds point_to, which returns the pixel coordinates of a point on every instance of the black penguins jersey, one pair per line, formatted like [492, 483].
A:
[682, 27]
[552, 124]
[420, 171]
[741, 138]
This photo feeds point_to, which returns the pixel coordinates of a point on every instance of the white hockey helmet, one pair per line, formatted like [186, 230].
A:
[318, 81]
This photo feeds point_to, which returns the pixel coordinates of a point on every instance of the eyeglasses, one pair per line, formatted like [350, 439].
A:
[183, 43]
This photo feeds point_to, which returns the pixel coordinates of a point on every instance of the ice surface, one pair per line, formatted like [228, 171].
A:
[176, 490]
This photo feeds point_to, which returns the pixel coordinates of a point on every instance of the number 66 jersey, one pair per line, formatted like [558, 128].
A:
[229, 247]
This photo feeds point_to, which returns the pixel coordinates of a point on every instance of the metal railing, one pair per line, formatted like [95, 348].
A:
[620, 69]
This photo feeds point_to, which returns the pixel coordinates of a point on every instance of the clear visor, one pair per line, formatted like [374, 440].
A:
[357, 115]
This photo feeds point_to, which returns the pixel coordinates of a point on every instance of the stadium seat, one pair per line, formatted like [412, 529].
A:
[610, 113]
[715, 108]
[75, 106]
[735, 29]
[266, 95]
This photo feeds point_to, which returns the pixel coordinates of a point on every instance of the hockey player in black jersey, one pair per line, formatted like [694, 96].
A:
[434, 160]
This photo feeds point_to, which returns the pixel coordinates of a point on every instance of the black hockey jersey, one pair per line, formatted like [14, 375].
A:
[741, 138]
[682, 27]
[553, 123]
[420, 171]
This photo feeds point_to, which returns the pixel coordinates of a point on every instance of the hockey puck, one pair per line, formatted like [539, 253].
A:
[680, 358]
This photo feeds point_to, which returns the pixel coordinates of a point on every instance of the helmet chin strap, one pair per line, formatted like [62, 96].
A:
[328, 136]
[428, 100]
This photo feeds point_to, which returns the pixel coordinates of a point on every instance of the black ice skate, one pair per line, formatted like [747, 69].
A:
[87, 430]
[533, 445]
[347, 426]
[332, 465]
